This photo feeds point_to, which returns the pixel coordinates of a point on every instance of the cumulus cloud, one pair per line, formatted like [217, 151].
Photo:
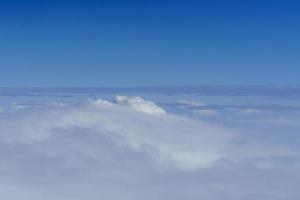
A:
[139, 125]
[140, 104]
[131, 148]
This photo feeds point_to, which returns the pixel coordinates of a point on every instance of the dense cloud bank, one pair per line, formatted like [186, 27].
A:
[131, 148]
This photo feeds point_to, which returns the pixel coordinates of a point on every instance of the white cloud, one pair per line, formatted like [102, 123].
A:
[139, 104]
[168, 138]
[191, 102]
[133, 149]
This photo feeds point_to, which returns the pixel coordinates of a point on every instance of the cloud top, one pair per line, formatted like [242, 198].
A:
[131, 148]
[140, 104]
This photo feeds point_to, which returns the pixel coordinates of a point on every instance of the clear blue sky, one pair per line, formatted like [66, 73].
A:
[138, 43]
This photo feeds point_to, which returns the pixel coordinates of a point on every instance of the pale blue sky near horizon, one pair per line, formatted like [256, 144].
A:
[149, 43]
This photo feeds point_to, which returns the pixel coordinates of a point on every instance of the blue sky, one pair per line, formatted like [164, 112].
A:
[140, 43]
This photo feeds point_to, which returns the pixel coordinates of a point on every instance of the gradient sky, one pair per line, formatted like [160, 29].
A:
[139, 43]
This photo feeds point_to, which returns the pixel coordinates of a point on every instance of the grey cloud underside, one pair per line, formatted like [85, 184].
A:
[130, 148]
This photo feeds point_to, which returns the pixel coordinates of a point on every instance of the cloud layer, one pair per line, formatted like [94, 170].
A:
[131, 148]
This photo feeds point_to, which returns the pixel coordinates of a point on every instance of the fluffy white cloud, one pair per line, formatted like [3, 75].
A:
[140, 104]
[139, 125]
[133, 149]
